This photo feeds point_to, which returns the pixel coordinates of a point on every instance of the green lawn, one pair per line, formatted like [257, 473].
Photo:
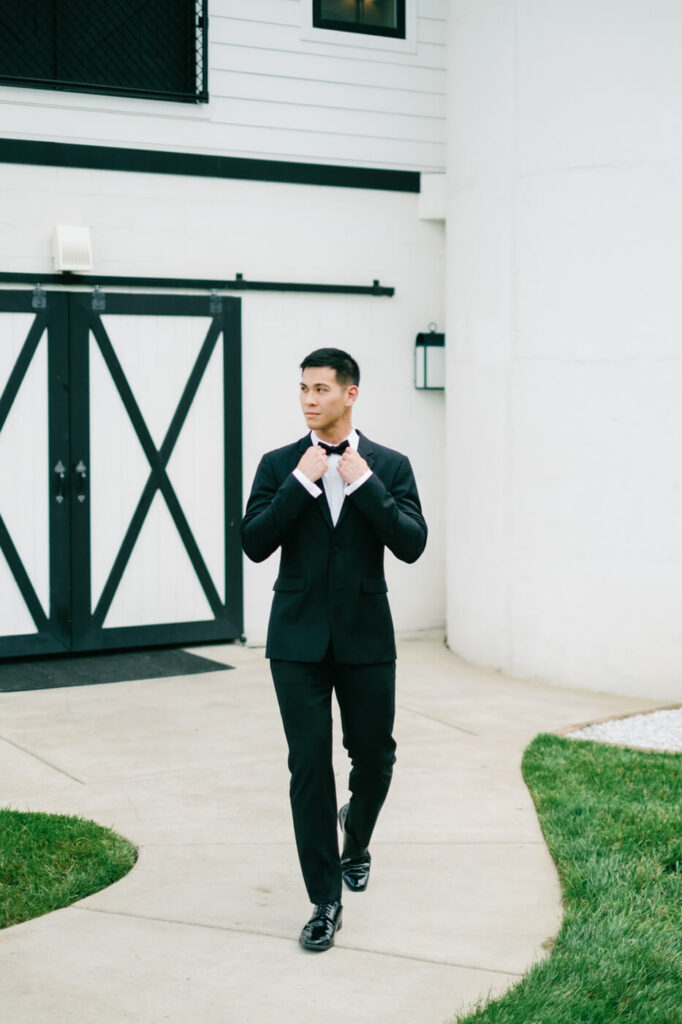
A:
[612, 819]
[48, 861]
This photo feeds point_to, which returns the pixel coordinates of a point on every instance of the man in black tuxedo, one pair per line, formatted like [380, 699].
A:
[333, 501]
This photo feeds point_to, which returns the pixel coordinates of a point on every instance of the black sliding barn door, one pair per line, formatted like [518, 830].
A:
[120, 437]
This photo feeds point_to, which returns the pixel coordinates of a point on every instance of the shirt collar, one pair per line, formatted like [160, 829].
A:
[353, 439]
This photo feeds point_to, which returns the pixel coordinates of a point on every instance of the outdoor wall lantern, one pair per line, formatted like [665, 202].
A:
[429, 360]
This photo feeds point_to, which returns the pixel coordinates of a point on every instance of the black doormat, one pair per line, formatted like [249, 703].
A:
[85, 670]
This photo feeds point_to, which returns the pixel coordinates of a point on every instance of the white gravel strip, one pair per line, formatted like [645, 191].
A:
[657, 730]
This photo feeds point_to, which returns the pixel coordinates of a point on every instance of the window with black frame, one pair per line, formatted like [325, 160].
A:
[152, 48]
[371, 17]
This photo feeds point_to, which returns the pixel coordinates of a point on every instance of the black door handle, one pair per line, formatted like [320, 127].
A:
[60, 482]
[82, 472]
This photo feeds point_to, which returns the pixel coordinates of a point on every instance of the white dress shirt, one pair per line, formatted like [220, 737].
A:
[335, 487]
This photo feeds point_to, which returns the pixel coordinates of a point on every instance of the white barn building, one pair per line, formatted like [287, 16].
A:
[236, 184]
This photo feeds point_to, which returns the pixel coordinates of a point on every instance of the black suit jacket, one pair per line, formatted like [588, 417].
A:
[331, 585]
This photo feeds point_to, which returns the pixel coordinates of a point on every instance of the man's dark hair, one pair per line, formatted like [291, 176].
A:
[347, 370]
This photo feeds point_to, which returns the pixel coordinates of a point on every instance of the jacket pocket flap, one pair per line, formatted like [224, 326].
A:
[374, 586]
[290, 583]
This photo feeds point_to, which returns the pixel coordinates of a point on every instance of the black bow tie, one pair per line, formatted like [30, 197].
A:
[330, 449]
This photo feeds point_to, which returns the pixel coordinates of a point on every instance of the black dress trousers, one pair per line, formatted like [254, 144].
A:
[366, 698]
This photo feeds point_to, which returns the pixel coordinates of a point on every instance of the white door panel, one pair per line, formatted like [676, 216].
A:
[196, 470]
[24, 475]
[13, 330]
[15, 618]
[159, 584]
[156, 354]
[118, 472]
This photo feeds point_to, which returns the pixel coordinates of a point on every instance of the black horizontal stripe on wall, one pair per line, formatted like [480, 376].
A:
[153, 161]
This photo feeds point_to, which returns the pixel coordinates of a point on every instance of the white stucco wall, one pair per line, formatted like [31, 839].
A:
[172, 226]
[565, 362]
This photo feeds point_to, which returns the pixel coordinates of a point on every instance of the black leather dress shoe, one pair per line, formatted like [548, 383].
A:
[355, 861]
[318, 934]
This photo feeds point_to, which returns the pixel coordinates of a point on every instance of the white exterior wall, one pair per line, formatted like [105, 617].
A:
[278, 90]
[167, 225]
[565, 363]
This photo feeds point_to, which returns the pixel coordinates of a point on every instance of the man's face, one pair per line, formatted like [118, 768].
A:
[323, 400]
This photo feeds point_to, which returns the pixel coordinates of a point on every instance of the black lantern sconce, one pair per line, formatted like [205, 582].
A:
[429, 360]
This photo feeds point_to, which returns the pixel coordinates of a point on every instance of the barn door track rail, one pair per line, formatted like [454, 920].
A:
[238, 284]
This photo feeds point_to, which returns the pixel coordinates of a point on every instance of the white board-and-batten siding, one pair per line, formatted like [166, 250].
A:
[278, 90]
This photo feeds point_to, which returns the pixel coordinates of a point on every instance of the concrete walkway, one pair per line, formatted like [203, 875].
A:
[204, 929]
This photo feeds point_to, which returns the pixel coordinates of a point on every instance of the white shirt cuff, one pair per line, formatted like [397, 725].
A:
[310, 487]
[359, 482]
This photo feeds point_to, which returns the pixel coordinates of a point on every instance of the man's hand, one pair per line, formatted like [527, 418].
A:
[352, 465]
[313, 463]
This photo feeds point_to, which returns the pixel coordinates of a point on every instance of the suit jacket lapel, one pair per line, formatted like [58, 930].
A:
[321, 501]
[323, 506]
[366, 449]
